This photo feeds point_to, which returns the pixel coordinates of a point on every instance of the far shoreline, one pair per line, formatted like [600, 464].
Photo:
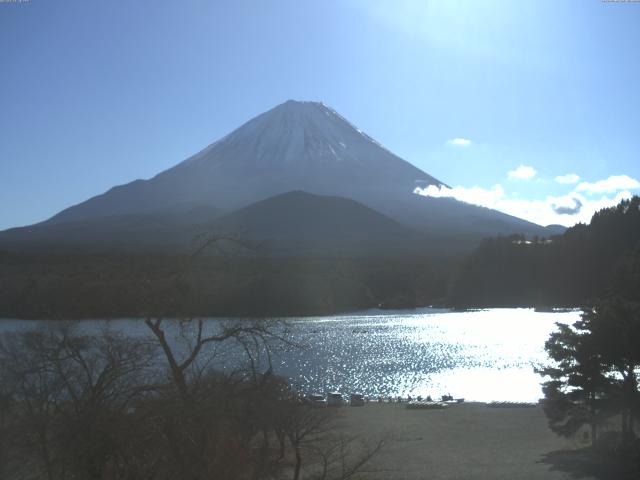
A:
[374, 311]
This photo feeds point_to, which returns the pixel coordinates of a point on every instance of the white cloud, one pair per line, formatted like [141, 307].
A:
[564, 210]
[612, 184]
[459, 142]
[476, 195]
[569, 178]
[523, 172]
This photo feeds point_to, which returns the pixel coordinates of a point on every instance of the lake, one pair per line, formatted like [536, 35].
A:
[479, 355]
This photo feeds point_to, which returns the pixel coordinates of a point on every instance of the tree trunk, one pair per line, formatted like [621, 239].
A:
[594, 426]
[281, 440]
[296, 473]
[177, 371]
[3, 424]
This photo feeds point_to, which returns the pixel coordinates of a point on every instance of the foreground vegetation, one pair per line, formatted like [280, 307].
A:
[594, 382]
[111, 407]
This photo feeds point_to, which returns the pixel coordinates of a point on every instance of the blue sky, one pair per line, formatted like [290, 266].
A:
[94, 94]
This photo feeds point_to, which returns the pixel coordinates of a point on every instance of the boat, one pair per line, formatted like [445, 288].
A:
[511, 405]
[415, 405]
[315, 400]
[334, 399]
[356, 400]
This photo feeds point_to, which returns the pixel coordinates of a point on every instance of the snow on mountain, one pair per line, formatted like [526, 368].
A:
[294, 146]
[293, 132]
[298, 146]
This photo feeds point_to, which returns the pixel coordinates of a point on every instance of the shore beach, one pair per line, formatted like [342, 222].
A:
[465, 441]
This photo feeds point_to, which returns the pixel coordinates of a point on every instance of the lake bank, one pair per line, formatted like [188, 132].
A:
[465, 441]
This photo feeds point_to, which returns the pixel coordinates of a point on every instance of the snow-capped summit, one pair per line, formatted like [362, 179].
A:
[294, 131]
[294, 146]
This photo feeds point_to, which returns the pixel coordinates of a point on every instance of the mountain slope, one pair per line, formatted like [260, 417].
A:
[299, 223]
[296, 146]
[290, 224]
[129, 232]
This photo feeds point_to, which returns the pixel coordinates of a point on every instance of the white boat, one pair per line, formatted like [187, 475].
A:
[426, 405]
[511, 405]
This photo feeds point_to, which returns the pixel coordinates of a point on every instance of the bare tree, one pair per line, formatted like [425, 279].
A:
[345, 457]
[111, 407]
[69, 391]
[328, 455]
[260, 334]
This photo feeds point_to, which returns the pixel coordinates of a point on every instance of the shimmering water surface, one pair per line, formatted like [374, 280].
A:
[479, 355]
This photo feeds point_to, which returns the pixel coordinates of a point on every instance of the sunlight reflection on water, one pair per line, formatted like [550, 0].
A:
[478, 355]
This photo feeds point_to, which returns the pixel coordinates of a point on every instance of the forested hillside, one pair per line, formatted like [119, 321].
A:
[587, 261]
[107, 286]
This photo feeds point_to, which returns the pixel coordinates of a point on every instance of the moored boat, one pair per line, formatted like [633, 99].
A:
[415, 405]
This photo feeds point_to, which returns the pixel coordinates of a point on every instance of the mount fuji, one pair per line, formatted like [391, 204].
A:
[296, 146]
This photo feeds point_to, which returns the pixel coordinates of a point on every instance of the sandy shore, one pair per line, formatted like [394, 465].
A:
[464, 441]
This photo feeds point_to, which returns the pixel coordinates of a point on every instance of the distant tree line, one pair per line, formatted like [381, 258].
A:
[566, 270]
[586, 262]
[66, 286]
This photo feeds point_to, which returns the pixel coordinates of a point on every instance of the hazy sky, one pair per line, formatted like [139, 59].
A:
[521, 106]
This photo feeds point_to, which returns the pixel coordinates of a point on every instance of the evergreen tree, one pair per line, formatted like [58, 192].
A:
[595, 371]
